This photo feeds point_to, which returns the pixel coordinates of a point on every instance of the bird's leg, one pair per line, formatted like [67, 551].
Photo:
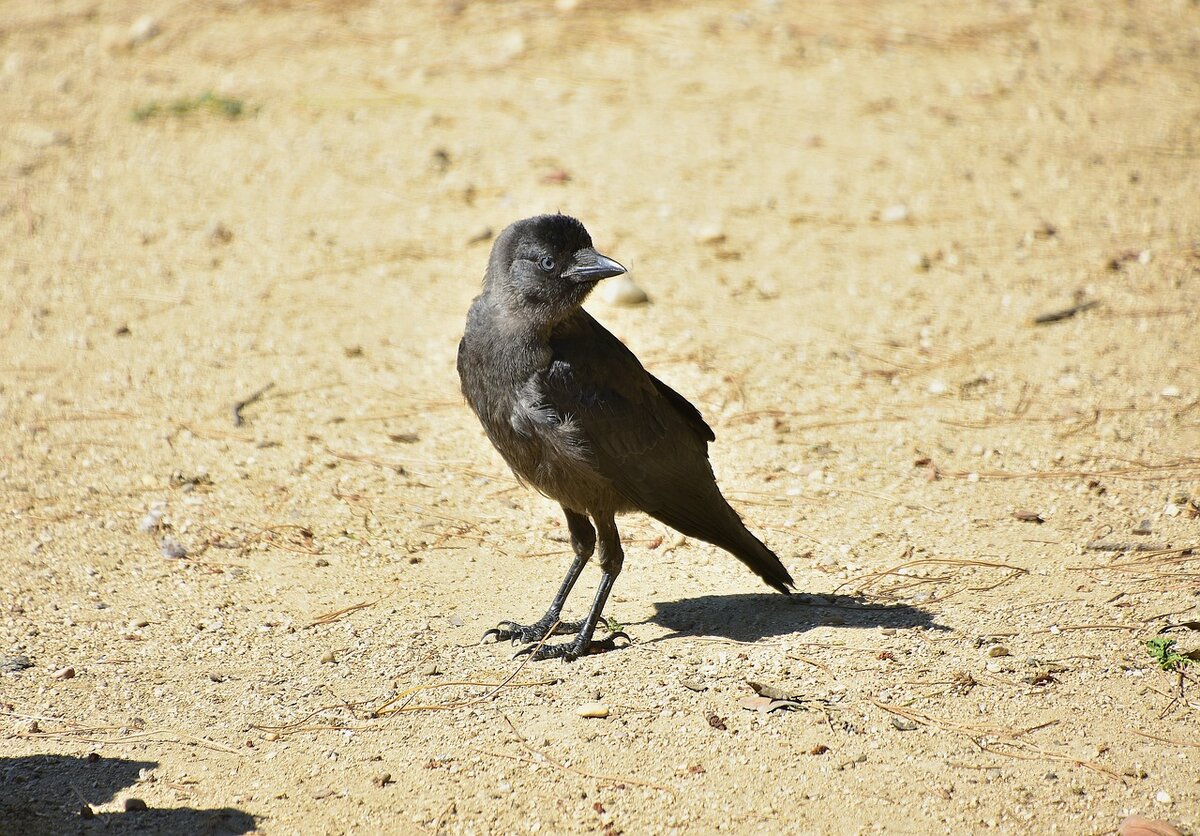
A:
[611, 558]
[583, 541]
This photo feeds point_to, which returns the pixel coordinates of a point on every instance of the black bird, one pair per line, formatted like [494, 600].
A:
[577, 417]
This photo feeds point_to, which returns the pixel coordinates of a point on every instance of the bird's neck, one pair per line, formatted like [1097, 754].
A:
[534, 324]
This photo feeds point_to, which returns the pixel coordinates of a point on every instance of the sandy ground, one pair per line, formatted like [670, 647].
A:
[847, 217]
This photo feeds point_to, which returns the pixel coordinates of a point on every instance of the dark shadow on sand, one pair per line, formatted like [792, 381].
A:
[40, 794]
[750, 617]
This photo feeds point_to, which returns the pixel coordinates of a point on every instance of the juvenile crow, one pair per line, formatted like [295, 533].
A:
[576, 416]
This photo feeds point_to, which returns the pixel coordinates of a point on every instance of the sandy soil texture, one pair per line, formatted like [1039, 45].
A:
[848, 218]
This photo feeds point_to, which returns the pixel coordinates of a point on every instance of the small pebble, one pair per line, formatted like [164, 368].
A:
[709, 234]
[896, 213]
[328, 657]
[1143, 528]
[1139, 826]
[919, 261]
[86, 812]
[509, 46]
[693, 685]
[37, 137]
[621, 290]
[133, 804]
[172, 549]
[1162, 797]
[218, 233]
[997, 651]
[152, 521]
[12, 664]
[592, 709]
[64, 673]
[903, 724]
[937, 387]
[1170, 392]
[143, 29]
[430, 668]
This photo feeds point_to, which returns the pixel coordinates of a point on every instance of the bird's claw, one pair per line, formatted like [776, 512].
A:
[492, 633]
[515, 633]
[573, 650]
[505, 630]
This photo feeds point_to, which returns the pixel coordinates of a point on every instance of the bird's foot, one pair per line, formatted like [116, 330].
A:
[573, 650]
[510, 631]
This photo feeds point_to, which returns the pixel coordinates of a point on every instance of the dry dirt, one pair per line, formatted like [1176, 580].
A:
[847, 217]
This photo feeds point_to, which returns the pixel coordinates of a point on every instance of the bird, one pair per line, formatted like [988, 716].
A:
[577, 417]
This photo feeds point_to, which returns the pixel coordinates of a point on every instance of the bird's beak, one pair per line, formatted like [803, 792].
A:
[589, 266]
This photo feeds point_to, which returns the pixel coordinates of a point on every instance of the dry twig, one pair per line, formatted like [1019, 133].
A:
[861, 584]
[336, 614]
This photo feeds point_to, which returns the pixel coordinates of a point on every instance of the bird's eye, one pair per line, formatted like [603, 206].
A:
[546, 263]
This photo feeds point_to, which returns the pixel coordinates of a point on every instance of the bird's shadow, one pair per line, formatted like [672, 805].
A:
[44, 794]
[750, 617]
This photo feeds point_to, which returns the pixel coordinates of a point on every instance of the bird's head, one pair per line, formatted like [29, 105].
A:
[542, 268]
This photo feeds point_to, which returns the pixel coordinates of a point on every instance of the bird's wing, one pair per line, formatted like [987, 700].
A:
[641, 434]
[685, 408]
[646, 439]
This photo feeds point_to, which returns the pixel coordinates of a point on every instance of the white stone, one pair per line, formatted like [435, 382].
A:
[592, 710]
[143, 29]
[38, 137]
[621, 290]
[510, 45]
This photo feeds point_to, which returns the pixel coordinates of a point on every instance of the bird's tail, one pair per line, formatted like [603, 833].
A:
[726, 530]
[761, 560]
